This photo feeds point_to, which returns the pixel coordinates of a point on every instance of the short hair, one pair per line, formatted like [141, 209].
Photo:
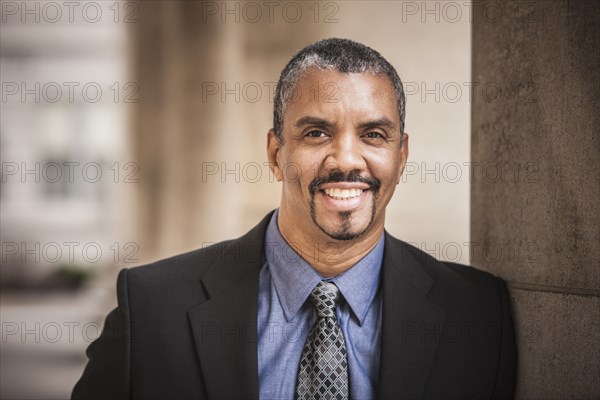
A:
[343, 55]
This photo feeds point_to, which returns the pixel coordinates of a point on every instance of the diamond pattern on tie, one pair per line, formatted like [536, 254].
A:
[323, 372]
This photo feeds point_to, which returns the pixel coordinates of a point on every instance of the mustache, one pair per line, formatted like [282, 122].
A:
[339, 176]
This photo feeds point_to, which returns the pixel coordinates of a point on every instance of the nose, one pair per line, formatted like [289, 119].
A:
[345, 154]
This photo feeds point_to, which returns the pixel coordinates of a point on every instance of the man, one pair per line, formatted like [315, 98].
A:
[317, 301]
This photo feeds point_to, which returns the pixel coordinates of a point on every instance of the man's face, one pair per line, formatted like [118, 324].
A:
[341, 156]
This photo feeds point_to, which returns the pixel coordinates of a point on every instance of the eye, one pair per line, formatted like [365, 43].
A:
[316, 134]
[374, 135]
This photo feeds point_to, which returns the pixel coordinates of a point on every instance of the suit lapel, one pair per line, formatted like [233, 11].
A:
[224, 326]
[412, 324]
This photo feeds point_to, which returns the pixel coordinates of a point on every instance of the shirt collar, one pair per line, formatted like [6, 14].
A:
[294, 278]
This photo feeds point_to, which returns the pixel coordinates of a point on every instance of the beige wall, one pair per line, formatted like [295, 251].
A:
[183, 48]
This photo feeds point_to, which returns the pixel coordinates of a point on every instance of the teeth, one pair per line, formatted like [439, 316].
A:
[343, 194]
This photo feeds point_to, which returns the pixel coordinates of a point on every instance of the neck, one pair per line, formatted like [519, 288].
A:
[327, 256]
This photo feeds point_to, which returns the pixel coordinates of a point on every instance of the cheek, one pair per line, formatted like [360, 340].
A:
[385, 168]
[290, 168]
[302, 170]
[291, 173]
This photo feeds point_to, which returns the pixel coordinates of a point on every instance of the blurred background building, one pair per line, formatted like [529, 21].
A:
[64, 210]
[135, 130]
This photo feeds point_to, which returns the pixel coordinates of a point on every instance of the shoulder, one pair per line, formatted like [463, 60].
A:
[436, 268]
[451, 283]
[181, 267]
[170, 280]
[220, 261]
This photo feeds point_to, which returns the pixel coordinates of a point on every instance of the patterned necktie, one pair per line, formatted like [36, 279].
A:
[323, 372]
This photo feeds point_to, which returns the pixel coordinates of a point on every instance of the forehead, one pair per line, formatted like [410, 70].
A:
[337, 95]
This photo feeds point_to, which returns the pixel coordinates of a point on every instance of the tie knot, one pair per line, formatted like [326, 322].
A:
[325, 296]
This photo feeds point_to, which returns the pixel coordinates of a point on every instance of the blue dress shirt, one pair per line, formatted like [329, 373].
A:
[286, 315]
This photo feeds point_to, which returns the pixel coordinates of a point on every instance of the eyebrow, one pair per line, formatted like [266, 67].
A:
[381, 122]
[309, 120]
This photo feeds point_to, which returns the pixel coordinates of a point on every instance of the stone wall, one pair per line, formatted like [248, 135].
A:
[534, 196]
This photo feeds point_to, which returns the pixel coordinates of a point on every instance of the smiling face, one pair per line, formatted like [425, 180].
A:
[341, 156]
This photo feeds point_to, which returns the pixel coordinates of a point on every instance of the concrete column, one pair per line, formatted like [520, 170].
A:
[535, 183]
[170, 62]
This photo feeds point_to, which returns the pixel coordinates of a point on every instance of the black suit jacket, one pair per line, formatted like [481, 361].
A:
[185, 327]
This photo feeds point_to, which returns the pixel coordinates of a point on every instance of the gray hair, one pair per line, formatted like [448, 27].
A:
[343, 55]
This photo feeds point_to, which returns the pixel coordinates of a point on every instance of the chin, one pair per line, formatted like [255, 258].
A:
[345, 228]
[344, 236]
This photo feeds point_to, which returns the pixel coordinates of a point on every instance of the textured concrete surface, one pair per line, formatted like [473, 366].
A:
[558, 345]
[535, 151]
[536, 136]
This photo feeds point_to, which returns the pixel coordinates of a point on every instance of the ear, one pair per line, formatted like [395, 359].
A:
[273, 148]
[403, 155]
